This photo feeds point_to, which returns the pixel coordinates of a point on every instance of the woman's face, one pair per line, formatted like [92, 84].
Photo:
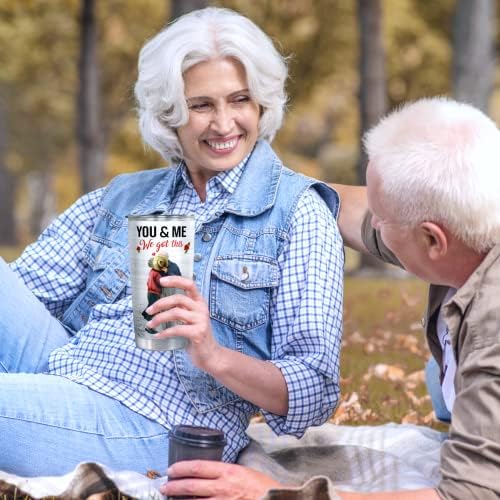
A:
[223, 118]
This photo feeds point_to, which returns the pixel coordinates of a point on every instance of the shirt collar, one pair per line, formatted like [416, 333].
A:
[227, 180]
[489, 266]
[261, 169]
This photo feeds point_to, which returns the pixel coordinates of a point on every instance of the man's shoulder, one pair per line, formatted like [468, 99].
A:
[478, 300]
[491, 274]
[484, 310]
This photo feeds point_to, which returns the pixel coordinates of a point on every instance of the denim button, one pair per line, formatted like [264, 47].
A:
[244, 275]
[197, 257]
[206, 237]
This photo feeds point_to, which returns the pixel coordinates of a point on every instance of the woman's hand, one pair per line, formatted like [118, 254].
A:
[192, 310]
[216, 480]
[254, 380]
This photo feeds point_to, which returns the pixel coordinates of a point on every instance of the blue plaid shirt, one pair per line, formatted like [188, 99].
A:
[102, 357]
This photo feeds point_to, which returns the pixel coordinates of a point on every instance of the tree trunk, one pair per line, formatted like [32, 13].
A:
[181, 7]
[473, 52]
[8, 184]
[89, 127]
[372, 86]
[42, 200]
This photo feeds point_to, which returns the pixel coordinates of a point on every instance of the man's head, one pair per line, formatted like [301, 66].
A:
[433, 168]
[438, 160]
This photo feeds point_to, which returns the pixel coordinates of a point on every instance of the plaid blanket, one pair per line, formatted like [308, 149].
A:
[369, 458]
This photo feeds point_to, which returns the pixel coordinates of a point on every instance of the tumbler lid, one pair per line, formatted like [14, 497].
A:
[195, 435]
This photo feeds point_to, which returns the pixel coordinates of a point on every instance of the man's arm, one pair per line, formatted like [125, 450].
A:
[353, 207]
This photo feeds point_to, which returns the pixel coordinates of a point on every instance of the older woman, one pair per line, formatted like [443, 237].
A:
[263, 314]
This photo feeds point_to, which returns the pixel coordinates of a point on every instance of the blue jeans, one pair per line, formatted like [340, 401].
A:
[432, 380]
[49, 424]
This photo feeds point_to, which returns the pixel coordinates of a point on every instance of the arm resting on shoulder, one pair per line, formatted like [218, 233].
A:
[353, 207]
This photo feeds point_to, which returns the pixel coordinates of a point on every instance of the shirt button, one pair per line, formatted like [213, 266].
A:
[197, 257]
[206, 237]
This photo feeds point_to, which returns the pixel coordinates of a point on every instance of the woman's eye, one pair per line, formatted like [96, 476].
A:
[202, 106]
[241, 99]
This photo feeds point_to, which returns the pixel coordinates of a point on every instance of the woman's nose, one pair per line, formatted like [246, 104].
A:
[223, 121]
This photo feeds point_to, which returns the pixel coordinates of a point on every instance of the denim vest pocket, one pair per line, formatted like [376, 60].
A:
[107, 278]
[239, 300]
[240, 289]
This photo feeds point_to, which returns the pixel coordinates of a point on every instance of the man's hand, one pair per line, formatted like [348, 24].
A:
[216, 480]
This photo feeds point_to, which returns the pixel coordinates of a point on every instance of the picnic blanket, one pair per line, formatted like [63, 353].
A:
[367, 458]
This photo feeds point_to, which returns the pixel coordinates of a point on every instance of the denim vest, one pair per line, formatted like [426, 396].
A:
[235, 264]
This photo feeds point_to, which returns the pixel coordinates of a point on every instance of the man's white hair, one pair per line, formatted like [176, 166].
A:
[196, 37]
[438, 160]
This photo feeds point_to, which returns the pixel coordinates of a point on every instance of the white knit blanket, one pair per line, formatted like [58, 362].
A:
[368, 458]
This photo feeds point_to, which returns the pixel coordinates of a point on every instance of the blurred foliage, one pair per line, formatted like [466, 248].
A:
[39, 51]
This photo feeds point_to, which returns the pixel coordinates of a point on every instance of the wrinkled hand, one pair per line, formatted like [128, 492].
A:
[216, 480]
[192, 310]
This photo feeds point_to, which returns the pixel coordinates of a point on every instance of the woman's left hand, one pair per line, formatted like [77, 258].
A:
[192, 310]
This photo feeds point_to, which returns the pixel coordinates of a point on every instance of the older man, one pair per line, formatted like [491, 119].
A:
[433, 200]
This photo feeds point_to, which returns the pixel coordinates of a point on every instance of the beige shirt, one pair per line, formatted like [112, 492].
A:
[470, 457]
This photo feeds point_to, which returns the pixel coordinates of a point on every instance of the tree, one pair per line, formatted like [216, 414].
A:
[372, 84]
[89, 126]
[473, 52]
[372, 78]
[37, 82]
[8, 234]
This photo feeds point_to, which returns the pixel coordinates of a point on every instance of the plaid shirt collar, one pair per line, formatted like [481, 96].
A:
[223, 181]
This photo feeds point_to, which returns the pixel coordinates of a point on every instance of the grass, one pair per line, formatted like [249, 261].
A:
[384, 352]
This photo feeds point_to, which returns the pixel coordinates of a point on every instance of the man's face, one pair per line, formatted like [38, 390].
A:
[405, 241]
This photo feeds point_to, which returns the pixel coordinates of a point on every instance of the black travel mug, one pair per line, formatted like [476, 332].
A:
[189, 442]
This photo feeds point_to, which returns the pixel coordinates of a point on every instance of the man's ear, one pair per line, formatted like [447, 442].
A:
[435, 240]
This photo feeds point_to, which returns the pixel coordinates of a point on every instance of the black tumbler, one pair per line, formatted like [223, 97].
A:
[188, 442]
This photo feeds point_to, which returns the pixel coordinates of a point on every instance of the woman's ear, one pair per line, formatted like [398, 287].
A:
[435, 240]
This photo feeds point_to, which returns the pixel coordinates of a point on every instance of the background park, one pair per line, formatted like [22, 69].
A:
[68, 124]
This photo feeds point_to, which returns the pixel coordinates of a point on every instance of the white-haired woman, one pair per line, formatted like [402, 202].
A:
[263, 314]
